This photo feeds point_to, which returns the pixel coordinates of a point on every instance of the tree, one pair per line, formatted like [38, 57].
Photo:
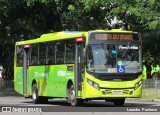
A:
[20, 20]
[28, 19]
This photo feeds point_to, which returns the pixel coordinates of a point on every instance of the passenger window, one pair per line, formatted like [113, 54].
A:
[51, 53]
[42, 53]
[70, 49]
[19, 59]
[34, 54]
[60, 48]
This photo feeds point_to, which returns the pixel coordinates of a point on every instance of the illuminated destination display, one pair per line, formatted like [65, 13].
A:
[112, 36]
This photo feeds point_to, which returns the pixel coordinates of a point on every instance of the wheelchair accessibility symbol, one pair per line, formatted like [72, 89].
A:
[121, 68]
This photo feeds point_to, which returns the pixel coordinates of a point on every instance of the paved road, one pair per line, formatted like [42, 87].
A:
[61, 105]
[21, 101]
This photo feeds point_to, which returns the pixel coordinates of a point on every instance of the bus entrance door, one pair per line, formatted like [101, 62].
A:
[25, 69]
[78, 67]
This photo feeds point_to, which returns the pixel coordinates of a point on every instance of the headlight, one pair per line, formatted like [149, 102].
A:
[93, 84]
[137, 85]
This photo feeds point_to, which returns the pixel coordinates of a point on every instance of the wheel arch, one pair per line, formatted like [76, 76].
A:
[33, 82]
[69, 83]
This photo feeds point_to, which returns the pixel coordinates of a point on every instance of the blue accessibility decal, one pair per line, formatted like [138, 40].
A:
[121, 68]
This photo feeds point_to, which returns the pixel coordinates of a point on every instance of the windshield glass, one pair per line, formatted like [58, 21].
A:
[111, 58]
[128, 59]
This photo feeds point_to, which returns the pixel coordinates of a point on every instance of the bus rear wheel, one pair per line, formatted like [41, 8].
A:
[119, 102]
[72, 99]
[35, 97]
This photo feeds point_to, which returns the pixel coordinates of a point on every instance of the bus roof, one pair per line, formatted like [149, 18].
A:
[113, 30]
[67, 34]
[53, 36]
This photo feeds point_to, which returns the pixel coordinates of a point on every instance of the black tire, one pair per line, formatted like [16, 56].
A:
[43, 100]
[35, 97]
[72, 99]
[119, 102]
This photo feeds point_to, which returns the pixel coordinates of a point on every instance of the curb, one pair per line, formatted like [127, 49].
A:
[140, 99]
[157, 100]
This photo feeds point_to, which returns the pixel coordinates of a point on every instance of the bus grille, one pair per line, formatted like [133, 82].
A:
[110, 92]
[125, 92]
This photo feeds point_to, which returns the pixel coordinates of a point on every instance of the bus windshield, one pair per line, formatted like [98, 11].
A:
[111, 58]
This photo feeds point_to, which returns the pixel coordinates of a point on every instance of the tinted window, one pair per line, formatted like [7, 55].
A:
[19, 50]
[60, 48]
[34, 54]
[51, 53]
[70, 49]
[42, 53]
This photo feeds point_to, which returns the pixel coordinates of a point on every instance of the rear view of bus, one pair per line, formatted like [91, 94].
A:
[113, 66]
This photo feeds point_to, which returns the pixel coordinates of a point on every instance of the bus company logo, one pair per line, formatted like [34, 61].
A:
[61, 73]
[6, 109]
[39, 74]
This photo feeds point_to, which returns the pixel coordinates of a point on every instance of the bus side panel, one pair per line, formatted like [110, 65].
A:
[52, 84]
[18, 79]
[61, 77]
[48, 81]
[51, 80]
[40, 74]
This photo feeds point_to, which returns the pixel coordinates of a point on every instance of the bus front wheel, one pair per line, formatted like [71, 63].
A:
[72, 99]
[119, 102]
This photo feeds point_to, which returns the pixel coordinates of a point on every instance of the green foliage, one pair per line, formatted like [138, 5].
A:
[153, 24]
[27, 19]
[71, 8]
[32, 2]
[76, 16]
[148, 57]
[21, 21]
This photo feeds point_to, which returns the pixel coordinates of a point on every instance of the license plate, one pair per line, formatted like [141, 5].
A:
[117, 92]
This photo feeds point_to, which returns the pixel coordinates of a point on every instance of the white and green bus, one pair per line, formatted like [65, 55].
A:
[80, 66]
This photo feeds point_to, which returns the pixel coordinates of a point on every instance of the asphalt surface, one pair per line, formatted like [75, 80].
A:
[60, 106]
[21, 101]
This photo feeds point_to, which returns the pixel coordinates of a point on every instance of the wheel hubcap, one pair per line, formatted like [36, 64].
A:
[34, 95]
[72, 97]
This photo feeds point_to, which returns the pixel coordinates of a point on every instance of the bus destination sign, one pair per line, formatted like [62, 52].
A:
[115, 36]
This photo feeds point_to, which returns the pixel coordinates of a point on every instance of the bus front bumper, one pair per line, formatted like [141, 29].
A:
[91, 92]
